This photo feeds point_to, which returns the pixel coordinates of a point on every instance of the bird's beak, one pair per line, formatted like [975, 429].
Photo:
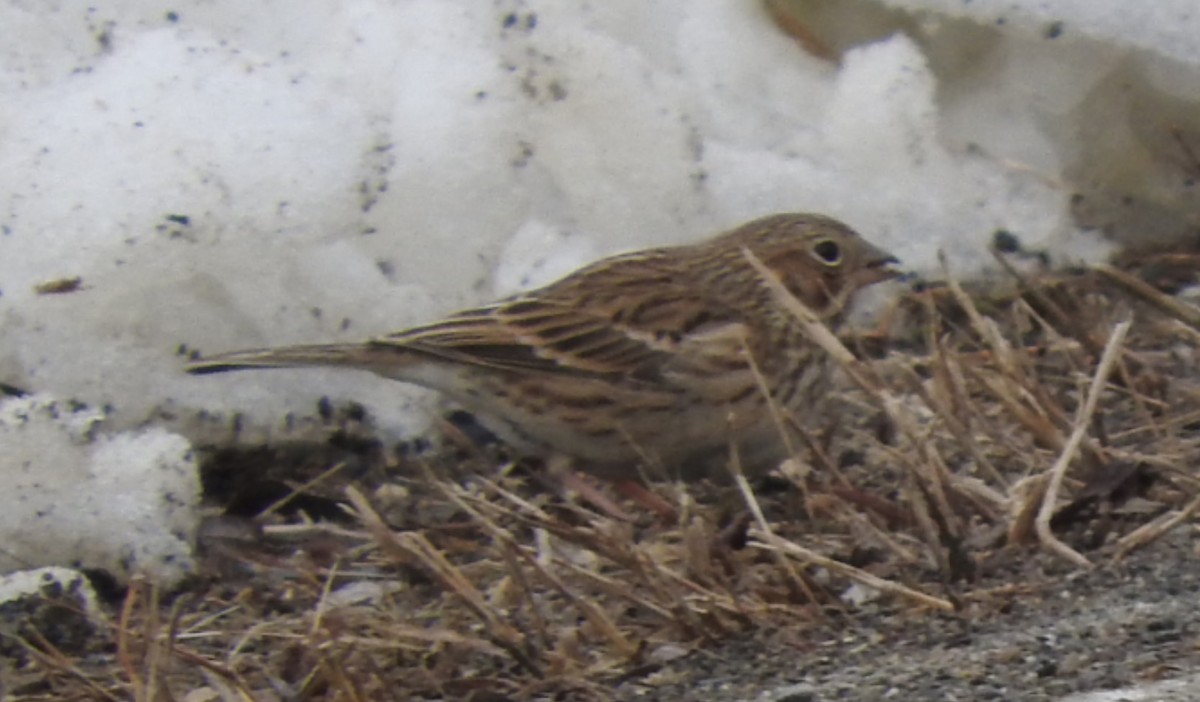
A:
[878, 268]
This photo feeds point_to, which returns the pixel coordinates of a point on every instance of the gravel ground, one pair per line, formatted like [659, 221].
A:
[1039, 636]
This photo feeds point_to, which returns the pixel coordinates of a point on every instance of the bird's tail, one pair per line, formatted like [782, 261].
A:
[362, 356]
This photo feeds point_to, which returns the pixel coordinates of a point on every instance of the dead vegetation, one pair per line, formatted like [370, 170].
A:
[1054, 413]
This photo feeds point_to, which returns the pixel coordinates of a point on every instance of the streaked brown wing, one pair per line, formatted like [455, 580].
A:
[603, 337]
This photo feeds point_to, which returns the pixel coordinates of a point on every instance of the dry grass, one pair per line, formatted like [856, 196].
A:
[1057, 414]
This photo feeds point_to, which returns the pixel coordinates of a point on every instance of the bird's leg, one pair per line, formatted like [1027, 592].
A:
[562, 470]
[645, 497]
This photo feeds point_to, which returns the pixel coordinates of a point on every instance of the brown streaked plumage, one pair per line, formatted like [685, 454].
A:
[637, 359]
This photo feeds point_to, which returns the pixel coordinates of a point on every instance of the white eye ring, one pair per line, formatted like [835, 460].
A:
[827, 252]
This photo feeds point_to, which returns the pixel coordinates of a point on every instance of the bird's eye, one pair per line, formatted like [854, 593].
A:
[828, 252]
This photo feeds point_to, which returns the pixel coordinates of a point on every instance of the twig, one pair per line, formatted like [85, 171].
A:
[775, 543]
[1175, 307]
[409, 547]
[1148, 532]
[1058, 472]
[743, 486]
[299, 489]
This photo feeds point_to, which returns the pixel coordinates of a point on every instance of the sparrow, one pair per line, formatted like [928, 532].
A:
[661, 358]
